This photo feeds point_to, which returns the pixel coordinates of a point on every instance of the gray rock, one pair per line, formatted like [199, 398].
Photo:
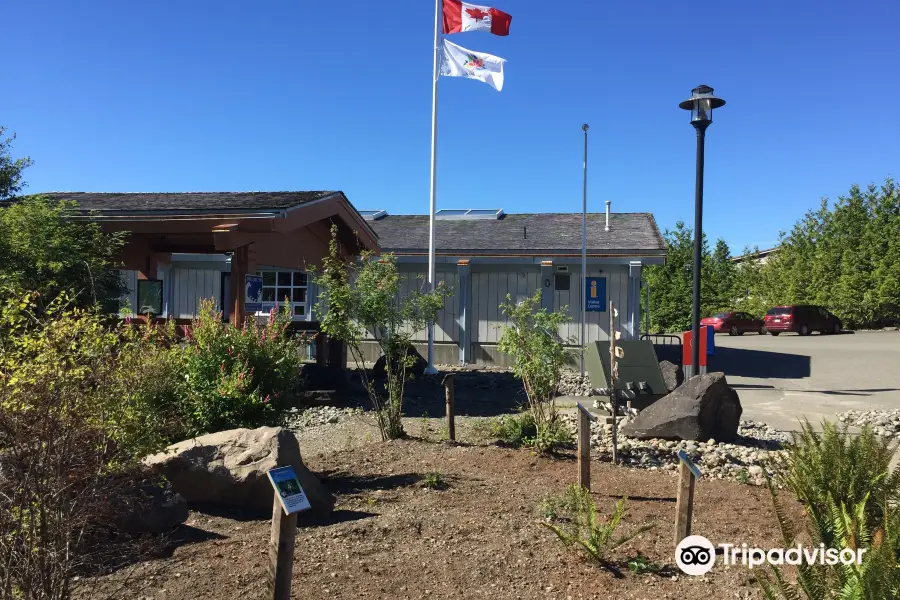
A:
[230, 468]
[704, 407]
[672, 374]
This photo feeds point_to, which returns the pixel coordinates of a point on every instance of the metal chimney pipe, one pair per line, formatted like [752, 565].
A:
[608, 202]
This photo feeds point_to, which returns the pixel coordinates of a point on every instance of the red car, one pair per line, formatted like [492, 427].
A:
[735, 323]
[804, 319]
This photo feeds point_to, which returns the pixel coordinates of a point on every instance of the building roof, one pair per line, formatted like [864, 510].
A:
[759, 254]
[523, 234]
[130, 202]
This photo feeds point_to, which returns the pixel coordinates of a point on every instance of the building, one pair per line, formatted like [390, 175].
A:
[760, 257]
[483, 255]
[184, 247]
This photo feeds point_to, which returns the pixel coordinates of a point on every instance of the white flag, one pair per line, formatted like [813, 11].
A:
[459, 62]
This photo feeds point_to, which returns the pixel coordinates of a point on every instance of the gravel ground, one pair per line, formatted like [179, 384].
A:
[885, 423]
[746, 459]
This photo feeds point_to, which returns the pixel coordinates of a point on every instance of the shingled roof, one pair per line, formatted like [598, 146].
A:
[119, 203]
[523, 234]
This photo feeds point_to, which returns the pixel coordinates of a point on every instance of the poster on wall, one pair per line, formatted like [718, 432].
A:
[595, 294]
[253, 293]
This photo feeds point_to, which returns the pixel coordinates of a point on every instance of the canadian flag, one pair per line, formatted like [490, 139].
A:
[461, 16]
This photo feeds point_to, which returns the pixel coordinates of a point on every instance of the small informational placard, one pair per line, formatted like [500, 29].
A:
[595, 294]
[288, 490]
[690, 464]
[253, 293]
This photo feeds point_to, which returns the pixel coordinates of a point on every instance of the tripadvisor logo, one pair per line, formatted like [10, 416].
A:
[696, 555]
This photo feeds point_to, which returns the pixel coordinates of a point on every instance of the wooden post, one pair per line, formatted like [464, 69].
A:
[584, 448]
[451, 414]
[684, 507]
[281, 552]
[239, 267]
[321, 349]
[613, 380]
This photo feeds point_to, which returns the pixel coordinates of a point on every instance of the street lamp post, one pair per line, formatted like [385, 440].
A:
[701, 104]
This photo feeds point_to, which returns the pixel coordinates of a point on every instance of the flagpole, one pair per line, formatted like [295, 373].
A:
[584, 128]
[433, 202]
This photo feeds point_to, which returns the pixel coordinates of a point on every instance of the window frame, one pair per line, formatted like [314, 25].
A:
[268, 305]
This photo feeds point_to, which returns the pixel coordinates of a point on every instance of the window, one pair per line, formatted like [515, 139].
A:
[149, 297]
[562, 282]
[279, 285]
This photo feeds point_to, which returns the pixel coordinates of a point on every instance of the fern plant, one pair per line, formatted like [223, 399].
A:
[837, 468]
[877, 577]
[585, 530]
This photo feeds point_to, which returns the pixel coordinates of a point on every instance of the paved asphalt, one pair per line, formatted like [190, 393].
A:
[781, 379]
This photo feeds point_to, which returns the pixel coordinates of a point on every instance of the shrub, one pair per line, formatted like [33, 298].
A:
[45, 252]
[582, 528]
[520, 430]
[236, 376]
[363, 298]
[69, 442]
[433, 480]
[532, 339]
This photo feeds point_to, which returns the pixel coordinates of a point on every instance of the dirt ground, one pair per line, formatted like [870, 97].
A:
[390, 537]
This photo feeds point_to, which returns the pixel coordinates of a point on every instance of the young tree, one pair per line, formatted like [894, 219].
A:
[532, 339]
[363, 297]
[10, 169]
[43, 251]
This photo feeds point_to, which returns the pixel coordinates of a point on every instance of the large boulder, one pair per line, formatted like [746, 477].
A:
[703, 408]
[151, 508]
[229, 468]
[416, 367]
[671, 374]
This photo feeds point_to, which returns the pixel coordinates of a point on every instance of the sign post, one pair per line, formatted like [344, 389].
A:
[584, 447]
[289, 500]
[451, 420]
[684, 507]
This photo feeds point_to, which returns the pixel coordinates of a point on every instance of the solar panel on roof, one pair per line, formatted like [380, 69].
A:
[469, 213]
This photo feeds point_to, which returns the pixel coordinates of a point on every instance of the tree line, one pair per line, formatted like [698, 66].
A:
[843, 255]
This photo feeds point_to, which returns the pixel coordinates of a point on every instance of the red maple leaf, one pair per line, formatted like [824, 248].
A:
[477, 14]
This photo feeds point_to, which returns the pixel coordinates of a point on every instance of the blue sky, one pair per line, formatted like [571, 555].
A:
[188, 96]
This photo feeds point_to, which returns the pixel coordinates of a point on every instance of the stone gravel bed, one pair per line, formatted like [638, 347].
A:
[746, 459]
[885, 423]
[297, 419]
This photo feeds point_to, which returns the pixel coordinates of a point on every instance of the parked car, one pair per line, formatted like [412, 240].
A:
[735, 323]
[803, 319]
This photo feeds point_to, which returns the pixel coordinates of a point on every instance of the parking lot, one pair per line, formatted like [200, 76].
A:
[781, 379]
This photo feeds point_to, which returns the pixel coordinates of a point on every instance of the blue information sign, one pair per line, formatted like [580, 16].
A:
[253, 293]
[595, 294]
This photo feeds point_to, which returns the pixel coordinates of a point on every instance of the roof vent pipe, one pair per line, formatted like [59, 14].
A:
[608, 202]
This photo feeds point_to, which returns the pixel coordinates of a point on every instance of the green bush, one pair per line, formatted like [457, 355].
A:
[521, 430]
[71, 439]
[235, 376]
[532, 339]
[362, 298]
[578, 525]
